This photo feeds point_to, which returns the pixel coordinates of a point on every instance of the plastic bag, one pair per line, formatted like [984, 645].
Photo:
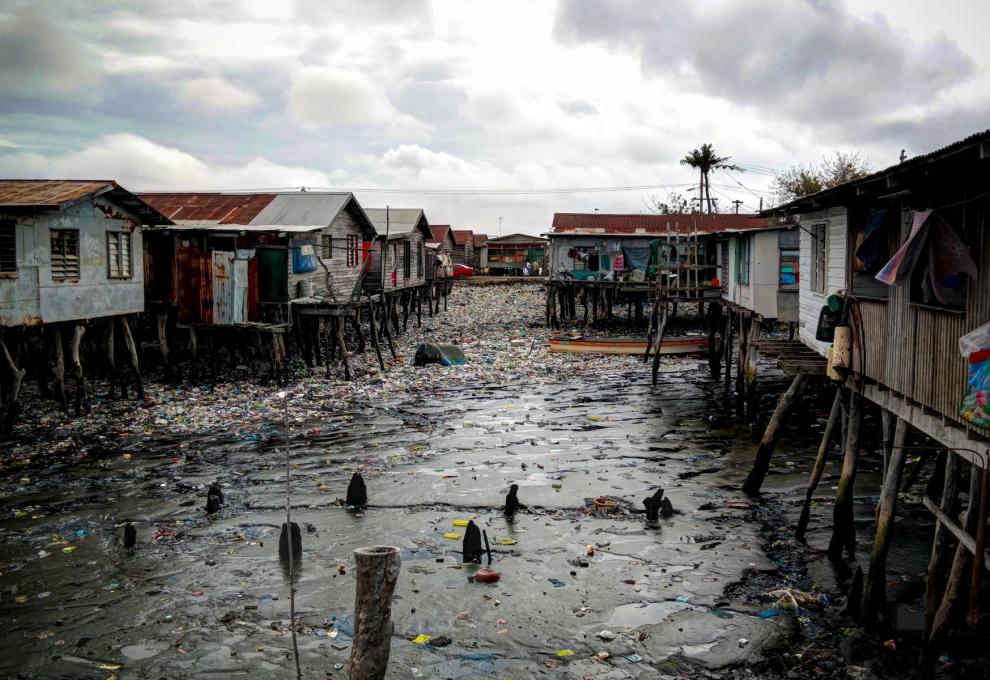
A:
[975, 340]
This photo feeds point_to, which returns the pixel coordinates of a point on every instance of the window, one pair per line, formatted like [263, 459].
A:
[819, 257]
[407, 259]
[352, 250]
[119, 264]
[742, 260]
[790, 267]
[8, 247]
[326, 246]
[65, 254]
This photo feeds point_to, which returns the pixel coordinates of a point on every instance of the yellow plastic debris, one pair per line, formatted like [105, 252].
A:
[452, 535]
[69, 548]
[21, 598]
[422, 639]
[565, 652]
[507, 541]
[460, 522]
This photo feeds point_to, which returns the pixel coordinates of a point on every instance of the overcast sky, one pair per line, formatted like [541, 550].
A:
[448, 95]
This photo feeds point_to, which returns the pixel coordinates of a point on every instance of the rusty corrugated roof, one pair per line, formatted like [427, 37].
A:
[56, 194]
[48, 193]
[209, 207]
[479, 240]
[599, 223]
[462, 236]
[439, 231]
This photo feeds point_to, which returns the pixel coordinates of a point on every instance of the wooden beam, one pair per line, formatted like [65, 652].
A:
[968, 541]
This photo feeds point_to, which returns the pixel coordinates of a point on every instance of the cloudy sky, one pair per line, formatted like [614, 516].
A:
[438, 98]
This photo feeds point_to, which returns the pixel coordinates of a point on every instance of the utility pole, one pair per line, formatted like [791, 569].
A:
[761, 204]
[736, 203]
[500, 227]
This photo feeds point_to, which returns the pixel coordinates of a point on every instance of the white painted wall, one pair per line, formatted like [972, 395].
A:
[812, 302]
[760, 294]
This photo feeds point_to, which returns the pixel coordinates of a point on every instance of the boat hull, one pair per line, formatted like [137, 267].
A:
[671, 345]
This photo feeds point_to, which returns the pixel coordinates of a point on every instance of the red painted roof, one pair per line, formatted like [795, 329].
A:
[598, 223]
[479, 240]
[462, 236]
[440, 231]
[209, 207]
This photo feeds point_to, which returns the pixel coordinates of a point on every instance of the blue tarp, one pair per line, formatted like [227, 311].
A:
[303, 256]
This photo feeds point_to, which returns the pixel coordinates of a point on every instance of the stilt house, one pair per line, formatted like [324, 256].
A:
[235, 258]
[402, 238]
[463, 252]
[480, 252]
[508, 255]
[762, 272]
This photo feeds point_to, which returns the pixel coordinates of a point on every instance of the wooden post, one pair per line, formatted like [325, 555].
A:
[584, 303]
[163, 340]
[388, 333]
[876, 582]
[659, 344]
[356, 323]
[58, 370]
[377, 571]
[405, 310]
[955, 585]
[651, 329]
[17, 377]
[742, 361]
[727, 343]
[419, 308]
[338, 322]
[819, 467]
[132, 348]
[843, 521]
[942, 542]
[375, 340]
[752, 364]
[77, 367]
[761, 464]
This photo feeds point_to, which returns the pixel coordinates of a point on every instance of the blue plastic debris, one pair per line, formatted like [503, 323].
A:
[768, 614]
[556, 583]
[634, 658]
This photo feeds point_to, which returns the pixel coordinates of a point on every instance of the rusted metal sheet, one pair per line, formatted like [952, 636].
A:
[209, 207]
[47, 193]
[195, 281]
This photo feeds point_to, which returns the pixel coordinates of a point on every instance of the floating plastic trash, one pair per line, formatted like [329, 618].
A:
[421, 639]
[460, 522]
[452, 535]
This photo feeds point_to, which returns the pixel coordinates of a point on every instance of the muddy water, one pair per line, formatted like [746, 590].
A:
[206, 596]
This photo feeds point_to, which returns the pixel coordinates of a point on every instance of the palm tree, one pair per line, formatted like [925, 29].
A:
[706, 160]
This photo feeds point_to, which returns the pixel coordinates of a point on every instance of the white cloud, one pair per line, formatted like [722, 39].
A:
[139, 164]
[321, 96]
[214, 93]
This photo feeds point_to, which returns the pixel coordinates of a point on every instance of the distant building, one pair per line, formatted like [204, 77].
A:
[762, 272]
[508, 255]
[463, 246]
[480, 252]
[443, 238]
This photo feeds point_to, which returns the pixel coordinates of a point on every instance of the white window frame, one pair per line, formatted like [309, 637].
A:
[124, 267]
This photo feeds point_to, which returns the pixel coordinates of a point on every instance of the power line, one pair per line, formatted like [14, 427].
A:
[503, 192]
[741, 184]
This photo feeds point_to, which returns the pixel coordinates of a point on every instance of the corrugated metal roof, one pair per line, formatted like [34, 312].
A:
[48, 193]
[599, 223]
[280, 211]
[518, 238]
[401, 221]
[439, 231]
[208, 207]
[55, 194]
[462, 236]
[479, 240]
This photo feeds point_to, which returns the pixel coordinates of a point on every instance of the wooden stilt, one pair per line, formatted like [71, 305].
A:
[819, 467]
[132, 349]
[584, 303]
[752, 365]
[110, 357]
[58, 370]
[741, 361]
[162, 319]
[388, 333]
[656, 353]
[355, 319]
[956, 584]
[77, 367]
[843, 521]
[727, 343]
[876, 583]
[405, 311]
[375, 340]
[377, 572]
[761, 464]
[13, 394]
[194, 354]
[941, 543]
[419, 309]
[339, 323]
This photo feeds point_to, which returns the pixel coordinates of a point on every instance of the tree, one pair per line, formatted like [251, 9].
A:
[705, 160]
[802, 180]
[673, 203]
